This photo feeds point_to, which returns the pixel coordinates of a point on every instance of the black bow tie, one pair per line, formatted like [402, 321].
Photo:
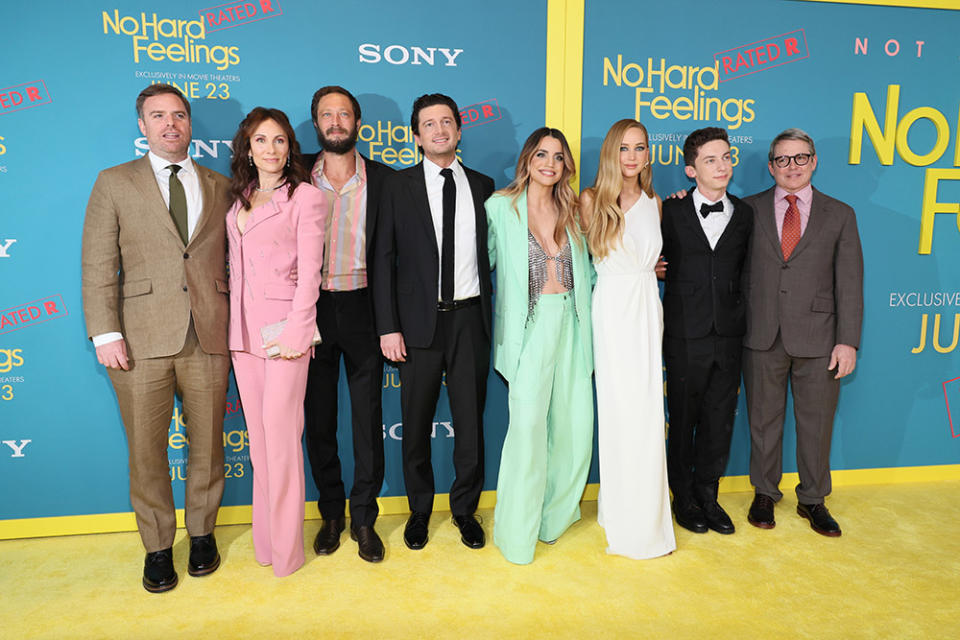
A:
[705, 208]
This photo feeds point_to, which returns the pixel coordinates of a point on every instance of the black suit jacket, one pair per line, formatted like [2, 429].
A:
[376, 176]
[703, 287]
[407, 261]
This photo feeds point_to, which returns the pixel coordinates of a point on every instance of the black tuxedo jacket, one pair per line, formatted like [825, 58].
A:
[407, 262]
[703, 287]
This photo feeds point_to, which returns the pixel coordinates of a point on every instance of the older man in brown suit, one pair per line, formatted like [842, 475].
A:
[155, 302]
[804, 311]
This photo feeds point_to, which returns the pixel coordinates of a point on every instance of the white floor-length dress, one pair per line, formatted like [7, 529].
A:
[634, 504]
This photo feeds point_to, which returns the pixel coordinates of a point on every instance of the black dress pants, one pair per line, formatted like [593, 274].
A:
[345, 320]
[703, 379]
[461, 347]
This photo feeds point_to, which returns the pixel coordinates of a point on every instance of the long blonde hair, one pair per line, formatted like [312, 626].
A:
[563, 195]
[605, 215]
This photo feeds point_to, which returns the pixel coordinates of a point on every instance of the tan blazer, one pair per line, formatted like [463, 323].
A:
[139, 279]
[814, 299]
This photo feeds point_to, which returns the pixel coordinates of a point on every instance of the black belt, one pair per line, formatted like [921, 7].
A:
[458, 304]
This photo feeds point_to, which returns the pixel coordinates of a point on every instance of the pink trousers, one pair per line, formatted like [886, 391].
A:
[271, 392]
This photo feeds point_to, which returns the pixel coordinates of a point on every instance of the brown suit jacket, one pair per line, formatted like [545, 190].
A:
[814, 299]
[139, 278]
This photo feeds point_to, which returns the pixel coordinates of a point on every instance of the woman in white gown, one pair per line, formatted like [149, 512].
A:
[621, 213]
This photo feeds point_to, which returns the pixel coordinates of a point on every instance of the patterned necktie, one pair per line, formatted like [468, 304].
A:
[178, 203]
[446, 254]
[790, 235]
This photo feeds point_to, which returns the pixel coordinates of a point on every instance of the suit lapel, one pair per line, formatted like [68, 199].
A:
[209, 200]
[418, 189]
[690, 218]
[265, 212]
[146, 182]
[736, 219]
[766, 219]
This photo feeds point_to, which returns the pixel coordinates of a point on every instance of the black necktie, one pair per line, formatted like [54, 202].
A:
[178, 203]
[446, 254]
[705, 208]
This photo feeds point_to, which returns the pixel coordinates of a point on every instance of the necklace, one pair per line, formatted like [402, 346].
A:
[271, 188]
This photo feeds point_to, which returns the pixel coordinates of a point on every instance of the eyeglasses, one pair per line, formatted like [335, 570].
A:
[800, 159]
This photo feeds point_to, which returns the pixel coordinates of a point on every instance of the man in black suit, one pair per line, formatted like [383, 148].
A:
[351, 185]
[705, 239]
[432, 297]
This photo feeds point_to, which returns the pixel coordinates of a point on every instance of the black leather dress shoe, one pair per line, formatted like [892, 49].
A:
[717, 519]
[761, 512]
[820, 519]
[158, 573]
[415, 533]
[471, 533]
[328, 538]
[204, 557]
[690, 516]
[369, 543]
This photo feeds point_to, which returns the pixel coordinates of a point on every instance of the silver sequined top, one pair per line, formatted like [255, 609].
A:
[537, 260]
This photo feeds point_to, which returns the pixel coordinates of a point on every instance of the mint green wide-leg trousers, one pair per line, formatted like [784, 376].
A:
[546, 453]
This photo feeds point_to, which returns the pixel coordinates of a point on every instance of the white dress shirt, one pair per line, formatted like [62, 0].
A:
[191, 186]
[715, 223]
[466, 279]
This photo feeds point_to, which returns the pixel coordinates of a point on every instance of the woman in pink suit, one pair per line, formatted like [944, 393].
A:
[275, 233]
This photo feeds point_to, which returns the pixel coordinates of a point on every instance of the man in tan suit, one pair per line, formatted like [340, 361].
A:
[155, 303]
[804, 311]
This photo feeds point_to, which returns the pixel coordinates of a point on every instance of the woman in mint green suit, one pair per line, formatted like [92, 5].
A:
[542, 347]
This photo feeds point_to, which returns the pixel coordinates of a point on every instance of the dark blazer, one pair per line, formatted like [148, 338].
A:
[703, 290]
[407, 261]
[814, 299]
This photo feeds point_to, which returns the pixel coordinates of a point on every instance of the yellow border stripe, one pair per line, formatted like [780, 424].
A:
[916, 4]
[395, 505]
[564, 87]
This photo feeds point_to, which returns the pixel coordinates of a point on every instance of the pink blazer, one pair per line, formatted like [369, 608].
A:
[282, 234]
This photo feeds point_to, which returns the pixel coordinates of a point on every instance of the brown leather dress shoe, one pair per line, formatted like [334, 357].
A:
[204, 557]
[369, 543]
[158, 572]
[820, 519]
[761, 512]
[471, 533]
[328, 538]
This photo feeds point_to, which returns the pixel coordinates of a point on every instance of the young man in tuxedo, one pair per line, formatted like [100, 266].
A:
[155, 303]
[432, 299]
[351, 185]
[804, 311]
[705, 240]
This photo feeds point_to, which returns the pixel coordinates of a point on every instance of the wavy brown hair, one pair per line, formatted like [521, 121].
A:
[563, 195]
[246, 177]
[605, 215]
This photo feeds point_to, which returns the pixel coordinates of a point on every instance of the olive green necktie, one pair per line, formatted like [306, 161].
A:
[178, 203]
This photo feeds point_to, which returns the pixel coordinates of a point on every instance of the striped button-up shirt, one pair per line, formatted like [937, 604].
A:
[345, 248]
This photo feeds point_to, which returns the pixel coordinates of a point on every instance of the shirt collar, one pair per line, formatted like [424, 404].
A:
[698, 199]
[432, 169]
[160, 165]
[805, 195]
[361, 173]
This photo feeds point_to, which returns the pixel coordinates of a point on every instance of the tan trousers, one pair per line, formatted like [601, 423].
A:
[145, 394]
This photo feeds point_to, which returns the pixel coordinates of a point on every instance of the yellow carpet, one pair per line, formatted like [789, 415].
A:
[895, 573]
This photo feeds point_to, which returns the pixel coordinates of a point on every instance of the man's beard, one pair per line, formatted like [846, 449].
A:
[340, 146]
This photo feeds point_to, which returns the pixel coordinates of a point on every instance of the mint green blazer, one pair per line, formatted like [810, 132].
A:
[508, 248]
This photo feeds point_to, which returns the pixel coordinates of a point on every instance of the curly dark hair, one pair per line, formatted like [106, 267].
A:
[698, 138]
[244, 176]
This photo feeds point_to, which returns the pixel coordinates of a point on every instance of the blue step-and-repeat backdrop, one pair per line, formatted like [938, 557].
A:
[875, 86]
